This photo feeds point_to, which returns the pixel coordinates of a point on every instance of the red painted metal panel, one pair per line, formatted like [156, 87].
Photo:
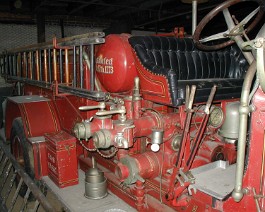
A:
[62, 160]
[40, 118]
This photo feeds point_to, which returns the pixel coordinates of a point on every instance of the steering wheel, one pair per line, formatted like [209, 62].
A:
[233, 30]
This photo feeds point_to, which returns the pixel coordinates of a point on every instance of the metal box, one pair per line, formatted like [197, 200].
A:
[62, 160]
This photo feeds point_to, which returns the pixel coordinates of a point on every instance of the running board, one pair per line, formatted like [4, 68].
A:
[216, 179]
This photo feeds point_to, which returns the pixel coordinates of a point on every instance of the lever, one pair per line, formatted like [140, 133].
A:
[100, 106]
[121, 111]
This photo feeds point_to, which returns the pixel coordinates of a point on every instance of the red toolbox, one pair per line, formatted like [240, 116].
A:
[62, 160]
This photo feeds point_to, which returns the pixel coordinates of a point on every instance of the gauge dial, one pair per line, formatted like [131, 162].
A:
[216, 117]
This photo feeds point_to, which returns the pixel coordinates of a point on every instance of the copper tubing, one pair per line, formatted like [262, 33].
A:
[54, 65]
[37, 74]
[45, 66]
[66, 66]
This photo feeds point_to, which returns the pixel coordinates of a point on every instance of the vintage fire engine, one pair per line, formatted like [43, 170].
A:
[173, 123]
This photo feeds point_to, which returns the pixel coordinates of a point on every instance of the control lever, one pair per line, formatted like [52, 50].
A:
[121, 111]
[100, 106]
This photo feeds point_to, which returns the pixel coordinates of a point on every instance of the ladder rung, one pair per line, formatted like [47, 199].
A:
[25, 200]
[11, 184]
[6, 175]
[3, 166]
[1, 155]
[36, 206]
[13, 202]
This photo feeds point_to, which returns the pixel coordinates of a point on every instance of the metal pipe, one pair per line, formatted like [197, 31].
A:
[4, 64]
[37, 65]
[54, 65]
[243, 119]
[21, 65]
[87, 61]
[61, 65]
[74, 66]
[81, 66]
[261, 62]
[66, 66]
[194, 15]
[10, 65]
[50, 65]
[92, 71]
[31, 65]
[45, 65]
[14, 64]
[26, 63]
[40, 64]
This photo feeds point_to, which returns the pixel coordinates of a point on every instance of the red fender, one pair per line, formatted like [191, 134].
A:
[37, 113]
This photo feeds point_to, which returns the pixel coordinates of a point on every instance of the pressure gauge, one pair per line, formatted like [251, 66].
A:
[216, 116]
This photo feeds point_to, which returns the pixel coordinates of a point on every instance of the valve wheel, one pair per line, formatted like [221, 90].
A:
[231, 31]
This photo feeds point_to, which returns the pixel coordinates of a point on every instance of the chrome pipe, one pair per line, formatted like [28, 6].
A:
[87, 61]
[74, 66]
[81, 69]
[50, 65]
[243, 119]
[92, 71]
[61, 65]
[194, 15]
[40, 64]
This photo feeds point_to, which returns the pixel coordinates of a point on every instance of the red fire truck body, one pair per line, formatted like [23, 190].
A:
[162, 118]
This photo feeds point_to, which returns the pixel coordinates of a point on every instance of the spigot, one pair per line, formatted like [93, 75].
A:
[101, 106]
[121, 111]
[136, 89]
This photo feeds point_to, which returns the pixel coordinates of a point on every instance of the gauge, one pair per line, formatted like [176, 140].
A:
[216, 117]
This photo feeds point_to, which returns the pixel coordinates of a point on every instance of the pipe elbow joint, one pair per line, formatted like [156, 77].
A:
[237, 195]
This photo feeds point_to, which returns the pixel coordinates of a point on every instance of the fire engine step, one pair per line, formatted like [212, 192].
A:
[74, 200]
[216, 179]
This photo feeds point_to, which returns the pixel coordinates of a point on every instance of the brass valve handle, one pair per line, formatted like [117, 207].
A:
[100, 106]
[122, 111]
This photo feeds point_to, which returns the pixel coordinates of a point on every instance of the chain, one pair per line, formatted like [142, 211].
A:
[110, 155]
[83, 145]
[101, 154]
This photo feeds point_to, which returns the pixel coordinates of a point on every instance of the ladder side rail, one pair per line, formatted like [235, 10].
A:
[61, 61]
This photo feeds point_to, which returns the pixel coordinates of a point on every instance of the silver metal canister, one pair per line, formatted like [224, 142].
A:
[95, 183]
